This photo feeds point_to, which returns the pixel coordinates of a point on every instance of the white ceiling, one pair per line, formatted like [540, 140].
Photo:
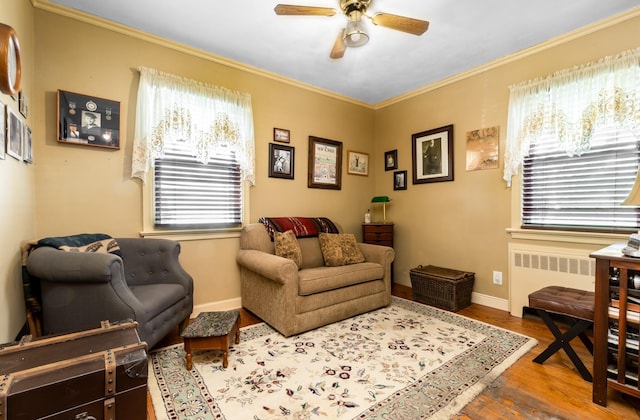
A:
[463, 34]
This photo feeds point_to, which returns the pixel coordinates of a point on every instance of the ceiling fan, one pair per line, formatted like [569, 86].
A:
[355, 35]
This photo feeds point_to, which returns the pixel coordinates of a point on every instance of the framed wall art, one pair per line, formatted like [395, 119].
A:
[357, 163]
[3, 131]
[14, 135]
[400, 180]
[281, 161]
[281, 135]
[325, 163]
[432, 155]
[88, 120]
[483, 148]
[27, 146]
[391, 160]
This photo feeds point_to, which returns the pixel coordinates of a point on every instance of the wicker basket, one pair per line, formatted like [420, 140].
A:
[442, 287]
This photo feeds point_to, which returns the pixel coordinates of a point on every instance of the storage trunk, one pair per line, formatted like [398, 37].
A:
[444, 288]
[94, 374]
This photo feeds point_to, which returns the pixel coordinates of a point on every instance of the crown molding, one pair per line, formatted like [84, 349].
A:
[78, 15]
[553, 42]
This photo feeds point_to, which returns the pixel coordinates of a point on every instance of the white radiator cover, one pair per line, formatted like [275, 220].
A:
[532, 267]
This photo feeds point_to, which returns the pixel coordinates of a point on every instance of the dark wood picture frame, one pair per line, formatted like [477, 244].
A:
[432, 155]
[391, 160]
[282, 135]
[400, 180]
[88, 120]
[281, 161]
[325, 163]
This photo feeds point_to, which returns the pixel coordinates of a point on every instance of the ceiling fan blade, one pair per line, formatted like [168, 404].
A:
[339, 47]
[287, 9]
[401, 23]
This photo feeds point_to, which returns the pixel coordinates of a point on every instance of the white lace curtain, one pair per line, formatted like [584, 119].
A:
[571, 104]
[206, 118]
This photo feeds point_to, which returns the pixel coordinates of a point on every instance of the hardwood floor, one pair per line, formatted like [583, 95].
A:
[526, 390]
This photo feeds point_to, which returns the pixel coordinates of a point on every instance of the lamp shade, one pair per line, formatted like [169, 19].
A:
[380, 199]
[354, 34]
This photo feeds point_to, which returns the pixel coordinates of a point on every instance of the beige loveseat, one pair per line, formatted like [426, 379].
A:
[293, 300]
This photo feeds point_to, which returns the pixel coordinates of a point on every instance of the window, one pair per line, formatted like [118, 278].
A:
[581, 192]
[192, 195]
[576, 135]
[197, 141]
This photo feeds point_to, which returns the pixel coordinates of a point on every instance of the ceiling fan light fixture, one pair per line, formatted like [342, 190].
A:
[355, 34]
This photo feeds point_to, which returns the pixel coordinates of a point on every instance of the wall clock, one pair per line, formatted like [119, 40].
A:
[10, 62]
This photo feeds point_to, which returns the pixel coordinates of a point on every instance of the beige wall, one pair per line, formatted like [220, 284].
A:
[460, 224]
[16, 183]
[84, 189]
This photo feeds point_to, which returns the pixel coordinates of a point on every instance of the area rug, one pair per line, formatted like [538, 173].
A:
[405, 361]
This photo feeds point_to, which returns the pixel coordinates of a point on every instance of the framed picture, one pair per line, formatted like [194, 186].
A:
[325, 163]
[432, 155]
[14, 135]
[391, 160]
[483, 148]
[281, 161]
[281, 135]
[3, 131]
[23, 104]
[27, 146]
[88, 120]
[357, 163]
[400, 180]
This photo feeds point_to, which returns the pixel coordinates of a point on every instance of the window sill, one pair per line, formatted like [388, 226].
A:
[590, 238]
[193, 235]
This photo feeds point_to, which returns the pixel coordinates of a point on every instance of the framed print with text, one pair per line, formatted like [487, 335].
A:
[432, 155]
[87, 120]
[281, 135]
[325, 163]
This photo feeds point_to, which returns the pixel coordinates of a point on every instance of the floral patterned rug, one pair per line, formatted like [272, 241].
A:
[406, 361]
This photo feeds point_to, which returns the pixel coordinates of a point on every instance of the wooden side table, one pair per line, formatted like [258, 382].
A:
[212, 331]
[378, 234]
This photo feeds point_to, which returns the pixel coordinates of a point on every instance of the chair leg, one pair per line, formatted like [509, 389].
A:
[563, 341]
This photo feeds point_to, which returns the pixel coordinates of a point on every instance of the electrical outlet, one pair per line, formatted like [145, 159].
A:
[497, 278]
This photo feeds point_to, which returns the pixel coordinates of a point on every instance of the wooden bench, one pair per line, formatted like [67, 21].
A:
[577, 307]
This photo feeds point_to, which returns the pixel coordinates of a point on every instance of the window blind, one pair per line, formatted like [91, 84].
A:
[581, 192]
[192, 195]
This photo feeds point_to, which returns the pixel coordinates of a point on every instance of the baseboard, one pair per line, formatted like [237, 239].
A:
[227, 305]
[490, 301]
[223, 305]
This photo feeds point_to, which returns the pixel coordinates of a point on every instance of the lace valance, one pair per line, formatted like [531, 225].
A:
[206, 118]
[571, 104]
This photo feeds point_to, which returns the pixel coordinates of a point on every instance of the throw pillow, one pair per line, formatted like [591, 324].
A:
[339, 249]
[286, 245]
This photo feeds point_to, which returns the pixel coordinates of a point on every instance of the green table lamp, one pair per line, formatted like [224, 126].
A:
[384, 200]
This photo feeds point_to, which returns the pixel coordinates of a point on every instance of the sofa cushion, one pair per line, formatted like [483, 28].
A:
[155, 298]
[286, 245]
[339, 249]
[311, 253]
[321, 279]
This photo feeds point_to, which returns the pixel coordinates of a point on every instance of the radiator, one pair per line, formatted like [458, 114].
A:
[533, 267]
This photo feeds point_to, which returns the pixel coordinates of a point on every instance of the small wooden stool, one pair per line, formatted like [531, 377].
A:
[577, 306]
[212, 331]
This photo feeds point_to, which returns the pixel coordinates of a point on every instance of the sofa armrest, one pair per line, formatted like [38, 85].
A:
[380, 254]
[54, 265]
[272, 267]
